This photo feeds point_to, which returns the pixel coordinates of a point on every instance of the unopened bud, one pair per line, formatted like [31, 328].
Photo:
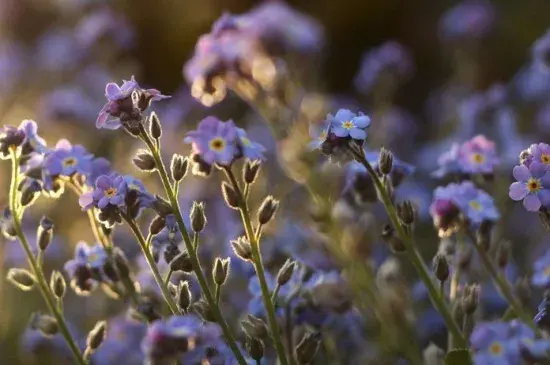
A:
[7, 224]
[21, 278]
[307, 348]
[44, 234]
[197, 217]
[29, 191]
[503, 254]
[144, 161]
[184, 296]
[96, 336]
[202, 309]
[178, 167]
[394, 242]
[254, 327]
[182, 262]
[405, 212]
[470, 299]
[44, 323]
[162, 207]
[255, 348]
[154, 126]
[285, 273]
[220, 272]
[58, 284]
[242, 248]
[385, 161]
[483, 235]
[230, 196]
[121, 262]
[267, 210]
[157, 224]
[250, 171]
[441, 268]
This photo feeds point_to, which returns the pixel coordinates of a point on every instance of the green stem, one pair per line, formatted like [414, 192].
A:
[415, 257]
[36, 270]
[275, 293]
[168, 277]
[259, 267]
[218, 293]
[203, 283]
[152, 265]
[501, 283]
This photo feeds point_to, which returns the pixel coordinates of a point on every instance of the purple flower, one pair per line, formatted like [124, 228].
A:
[11, 140]
[539, 152]
[541, 276]
[251, 150]
[85, 269]
[348, 124]
[100, 166]
[448, 162]
[167, 339]
[146, 199]
[319, 133]
[478, 155]
[125, 102]
[122, 343]
[214, 141]
[37, 143]
[445, 210]
[67, 160]
[110, 190]
[531, 186]
[475, 204]
[469, 19]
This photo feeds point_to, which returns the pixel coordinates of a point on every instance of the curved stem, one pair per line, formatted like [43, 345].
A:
[36, 270]
[415, 257]
[259, 267]
[203, 283]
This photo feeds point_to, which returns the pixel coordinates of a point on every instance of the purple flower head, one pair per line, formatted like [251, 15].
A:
[532, 186]
[110, 190]
[214, 141]
[444, 209]
[33, 140]
[100, 166]
[67, 160]
[125, 103]
[85, 269]
[134, 185]
[478, 155]
[541, 52]
[167, 339]
[348, 124]
[538, 152]
[13, 139]
[541, 275]
[319, 133]
[390, 63]
[476, 205]
[448, 162]
[249, 149]
[469, 19]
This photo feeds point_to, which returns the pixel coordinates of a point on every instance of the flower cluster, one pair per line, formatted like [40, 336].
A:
[86, 269]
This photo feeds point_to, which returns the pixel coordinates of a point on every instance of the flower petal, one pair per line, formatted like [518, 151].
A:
[103, 182]
[340, 132]
[537, 169]
[521, 173]
[362, 121]
[518, 191]
[532, 203]
[343, 115]
[357, 133]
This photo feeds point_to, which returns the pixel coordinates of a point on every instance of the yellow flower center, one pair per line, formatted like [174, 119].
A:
[348, 124]
[533, 185]
[474, 204]
[245, 141]
[545, 158]
[217, 144]
[478, 158]
[93, 257]
[69, 162]
[109, 193]
[495, 348]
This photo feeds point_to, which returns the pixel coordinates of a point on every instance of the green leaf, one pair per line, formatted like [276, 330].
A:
[458, 357]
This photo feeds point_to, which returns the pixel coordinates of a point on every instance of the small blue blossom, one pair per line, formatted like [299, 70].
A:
[541, 276]
[37, 143]
[319, 134]
[85, 269]
[348, 124]
[214, 141]
[532, 186]
[476, 205]
[251, 150]
[67, 160]
[110, 190]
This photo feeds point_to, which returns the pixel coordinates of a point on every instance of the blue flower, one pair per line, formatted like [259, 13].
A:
[37, 143]
[319, 134]
[348, 124]
[214, 141]
[532, 186]
[110, 190]
[122, 343]
[477, 205]
[448, 162]
[86, 268]
[541, 276]
[146, 199]
[251, 150]
[445, 210]
[67, 160]
[100, 166]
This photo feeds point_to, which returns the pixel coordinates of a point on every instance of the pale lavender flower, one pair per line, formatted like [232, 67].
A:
[532, 186]
[348, 124]
[478, 155]
[214, 141]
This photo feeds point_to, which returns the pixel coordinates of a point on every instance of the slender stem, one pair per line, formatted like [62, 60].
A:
[259, 267]
[275, 293]
[36, 270]
[501, 283]
[168, 277]
[203, 283]
[415, 257]
[218, 293]
[152, 265]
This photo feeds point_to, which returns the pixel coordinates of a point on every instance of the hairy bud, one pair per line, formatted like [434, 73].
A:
[21, 278]
[251, 170]
[154, 126]
[394, 242]
[144, 161]
[307, 348]
[29, 191]
[202, 309]
[184, 295]
[254, 327]
[470, 299]
[178, 167]
[182, 262]
[162, 207]
[220, 272]
[157, 224]
[242, 248]
[267, 210]
[405, 211]
[197, 217]
[255, 348]
[385, 161]
[285, 273]
[230, 196]
[441, 268]
[96, 336]
[57, 284]
[44, 323]
[44, 234]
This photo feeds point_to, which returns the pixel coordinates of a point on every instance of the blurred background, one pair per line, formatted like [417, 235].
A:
[449, 70]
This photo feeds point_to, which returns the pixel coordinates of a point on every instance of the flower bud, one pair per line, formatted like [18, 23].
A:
[220, 272]
[178, 167]
[470, 299]
[21, 278]
[170, 252]
[144, 161]
[162, 207]
[182, 262]
[307, 348]
[197, 217]
[405, 211]
[255, 348]
[483, 234]
[503, 254]
[29, 191]
[285, 273]
[267, 210]
[385, 161]
[7, 224]
[121, 263]
[184, 296]
[157, 224]
[242, 248]
[202, 309]
[154, 126]
[44, 323]
[230, 196]
[250, 171]
[57, 284]
[96, 336]
[394, 242]
[441, 268]
[254, 327]
[44, 234]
